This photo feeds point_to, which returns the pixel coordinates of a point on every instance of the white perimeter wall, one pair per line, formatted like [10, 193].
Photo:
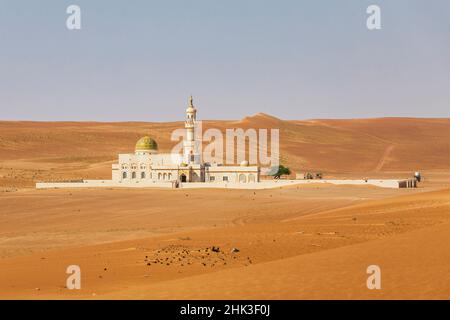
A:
[196, 185]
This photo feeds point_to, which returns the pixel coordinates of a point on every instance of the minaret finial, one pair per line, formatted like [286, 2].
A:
[191, 101]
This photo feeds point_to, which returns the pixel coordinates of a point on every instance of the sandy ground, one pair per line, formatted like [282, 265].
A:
[305, 242]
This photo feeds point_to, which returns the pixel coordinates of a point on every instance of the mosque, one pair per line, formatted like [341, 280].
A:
[147, 165]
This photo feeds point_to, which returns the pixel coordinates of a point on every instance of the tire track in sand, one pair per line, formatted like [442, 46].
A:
[384, 157]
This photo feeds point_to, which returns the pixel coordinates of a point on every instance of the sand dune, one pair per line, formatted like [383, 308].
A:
[309, 243]
[301, 242]
[414, 266]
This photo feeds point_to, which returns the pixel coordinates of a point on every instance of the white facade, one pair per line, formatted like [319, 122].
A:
[152, 167]
[234, 174]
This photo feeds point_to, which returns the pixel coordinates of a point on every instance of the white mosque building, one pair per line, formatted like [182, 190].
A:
[146, 165]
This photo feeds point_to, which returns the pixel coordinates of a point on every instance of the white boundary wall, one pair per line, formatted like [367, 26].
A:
[103, 184]
[197, 185]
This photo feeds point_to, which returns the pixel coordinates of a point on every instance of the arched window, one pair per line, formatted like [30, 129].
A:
[142, 175]
[124, 175]
[159, 176]
[165, 176]
[251, 177]
[133, 175]
[242, 178]
[169, 176]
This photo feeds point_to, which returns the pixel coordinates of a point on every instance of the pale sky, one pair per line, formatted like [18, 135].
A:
[294, 59]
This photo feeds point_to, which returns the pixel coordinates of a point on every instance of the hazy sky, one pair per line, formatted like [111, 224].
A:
[294, 59]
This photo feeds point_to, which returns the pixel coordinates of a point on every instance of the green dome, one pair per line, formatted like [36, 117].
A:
[146, 144]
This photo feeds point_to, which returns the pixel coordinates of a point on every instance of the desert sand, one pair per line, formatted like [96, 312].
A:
[305, 242]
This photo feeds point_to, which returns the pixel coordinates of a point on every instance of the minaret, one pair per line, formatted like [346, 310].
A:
[190, 154]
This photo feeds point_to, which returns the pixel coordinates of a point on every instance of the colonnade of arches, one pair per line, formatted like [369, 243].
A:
[164, 176]
[143, 175]
[244, 178]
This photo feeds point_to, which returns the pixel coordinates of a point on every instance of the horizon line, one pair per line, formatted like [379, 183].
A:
[259, 114]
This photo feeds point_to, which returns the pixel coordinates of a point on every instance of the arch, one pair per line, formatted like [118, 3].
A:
[124, 175]
[169, 176]
[142, 175]
[251, 178]
[133, 175]
[183, 178]
[159, 176]
[242, 178]
[165, 176]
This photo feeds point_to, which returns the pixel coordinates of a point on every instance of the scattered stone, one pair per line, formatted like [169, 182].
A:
[215, 249]
[235, 250]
